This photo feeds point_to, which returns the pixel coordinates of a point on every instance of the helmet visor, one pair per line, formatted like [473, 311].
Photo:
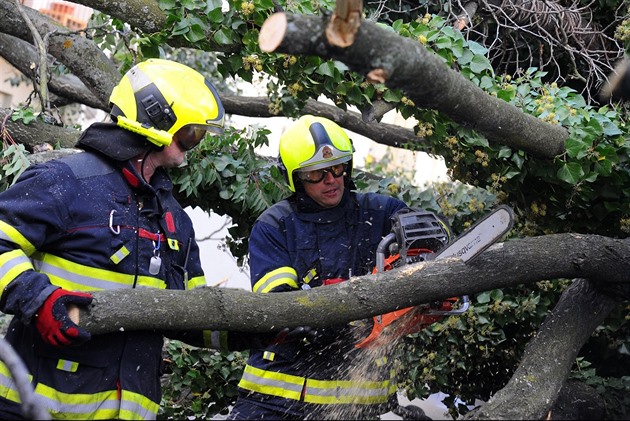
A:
[191, 135]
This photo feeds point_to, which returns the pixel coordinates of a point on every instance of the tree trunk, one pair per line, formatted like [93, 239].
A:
[548, 358]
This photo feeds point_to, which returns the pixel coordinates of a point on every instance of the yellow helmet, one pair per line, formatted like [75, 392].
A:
[158, 97]
[313, 143]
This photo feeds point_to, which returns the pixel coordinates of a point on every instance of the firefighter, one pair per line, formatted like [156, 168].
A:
[105, 219]
[324, 233]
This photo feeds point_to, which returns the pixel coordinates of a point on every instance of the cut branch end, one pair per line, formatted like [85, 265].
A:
[272, 32]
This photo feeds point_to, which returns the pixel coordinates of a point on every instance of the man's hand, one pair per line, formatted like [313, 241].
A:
[301, 333]
[54, 323]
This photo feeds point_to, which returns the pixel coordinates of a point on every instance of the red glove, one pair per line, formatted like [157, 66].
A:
[53, 322]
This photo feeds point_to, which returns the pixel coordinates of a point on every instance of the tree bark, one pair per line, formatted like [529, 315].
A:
[21, 55]
[81, 55]
[519, 261]
[383, 133]
[37, 132]
[405, 64]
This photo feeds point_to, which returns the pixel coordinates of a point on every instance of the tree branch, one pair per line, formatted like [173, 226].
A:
[79, 54]
[520, 261]
[403, 63]
[549, 357]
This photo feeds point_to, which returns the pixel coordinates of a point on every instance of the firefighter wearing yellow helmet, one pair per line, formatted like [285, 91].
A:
[313, 143]
[323, 234]
[155, 100]
[105, 219]
[158, 97]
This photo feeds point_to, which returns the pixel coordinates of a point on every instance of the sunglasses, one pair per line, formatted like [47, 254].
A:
[189, 136]
[315, 176]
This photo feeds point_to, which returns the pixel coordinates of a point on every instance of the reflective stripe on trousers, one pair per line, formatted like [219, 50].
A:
[101, 405]
[316, 391]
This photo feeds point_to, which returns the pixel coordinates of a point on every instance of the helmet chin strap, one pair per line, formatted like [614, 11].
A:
[142, 162]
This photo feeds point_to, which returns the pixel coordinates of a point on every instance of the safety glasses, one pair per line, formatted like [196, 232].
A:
[315, 176]
[189, 136]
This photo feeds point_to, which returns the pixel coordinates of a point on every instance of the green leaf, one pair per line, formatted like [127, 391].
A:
[483, 298]
[391, 96]
[181, 27]
[577, 148]
[326, 69]
[196, 33]
[223, 36]
[479, 64]
[570, 172]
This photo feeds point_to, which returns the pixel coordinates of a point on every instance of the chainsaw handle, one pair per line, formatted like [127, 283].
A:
[457, 312]
[383, 246]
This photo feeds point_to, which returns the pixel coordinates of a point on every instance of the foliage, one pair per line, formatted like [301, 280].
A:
[585, 190]
[231, 179]
[471, 356]
[13, 159]
[200, 383]
[614, 389]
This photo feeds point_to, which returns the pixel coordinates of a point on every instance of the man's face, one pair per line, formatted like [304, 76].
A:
[324, 186]
[184, 140]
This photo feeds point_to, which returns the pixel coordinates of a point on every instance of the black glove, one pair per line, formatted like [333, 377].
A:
[300, 333]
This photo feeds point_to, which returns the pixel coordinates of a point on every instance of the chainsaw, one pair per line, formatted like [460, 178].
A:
[419, 236]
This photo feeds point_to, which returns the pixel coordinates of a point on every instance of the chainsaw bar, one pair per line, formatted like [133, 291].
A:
[484, 233]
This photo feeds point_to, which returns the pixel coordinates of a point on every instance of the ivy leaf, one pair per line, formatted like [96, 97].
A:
[167, 4]
[571, 173]
[326, 69]
[479, 63]
[391, 96]
[196, 33]
[181, 27]
[576, 148]
[223, 36]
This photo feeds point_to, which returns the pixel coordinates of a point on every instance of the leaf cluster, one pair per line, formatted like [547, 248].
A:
[199, 383]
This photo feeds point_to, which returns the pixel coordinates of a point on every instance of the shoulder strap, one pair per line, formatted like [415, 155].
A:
[86, 164]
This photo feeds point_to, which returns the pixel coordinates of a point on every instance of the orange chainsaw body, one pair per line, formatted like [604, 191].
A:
[409, 320]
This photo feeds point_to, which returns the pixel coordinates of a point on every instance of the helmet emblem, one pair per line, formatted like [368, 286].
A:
[327, 152]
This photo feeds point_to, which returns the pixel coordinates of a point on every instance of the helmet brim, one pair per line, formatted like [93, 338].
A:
[324, 164]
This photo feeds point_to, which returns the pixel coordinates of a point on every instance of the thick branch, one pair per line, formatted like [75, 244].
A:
[405, 64]
[38, 132]
[549, 357]
[79, 54]
[383, 133]
[512, 263]
[20, 54]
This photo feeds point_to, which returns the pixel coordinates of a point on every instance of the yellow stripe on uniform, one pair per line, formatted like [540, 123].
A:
[282, 276]
[7, 232]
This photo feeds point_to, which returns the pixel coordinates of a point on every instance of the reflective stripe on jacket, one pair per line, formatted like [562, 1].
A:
[292, 246]
[79, 224]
